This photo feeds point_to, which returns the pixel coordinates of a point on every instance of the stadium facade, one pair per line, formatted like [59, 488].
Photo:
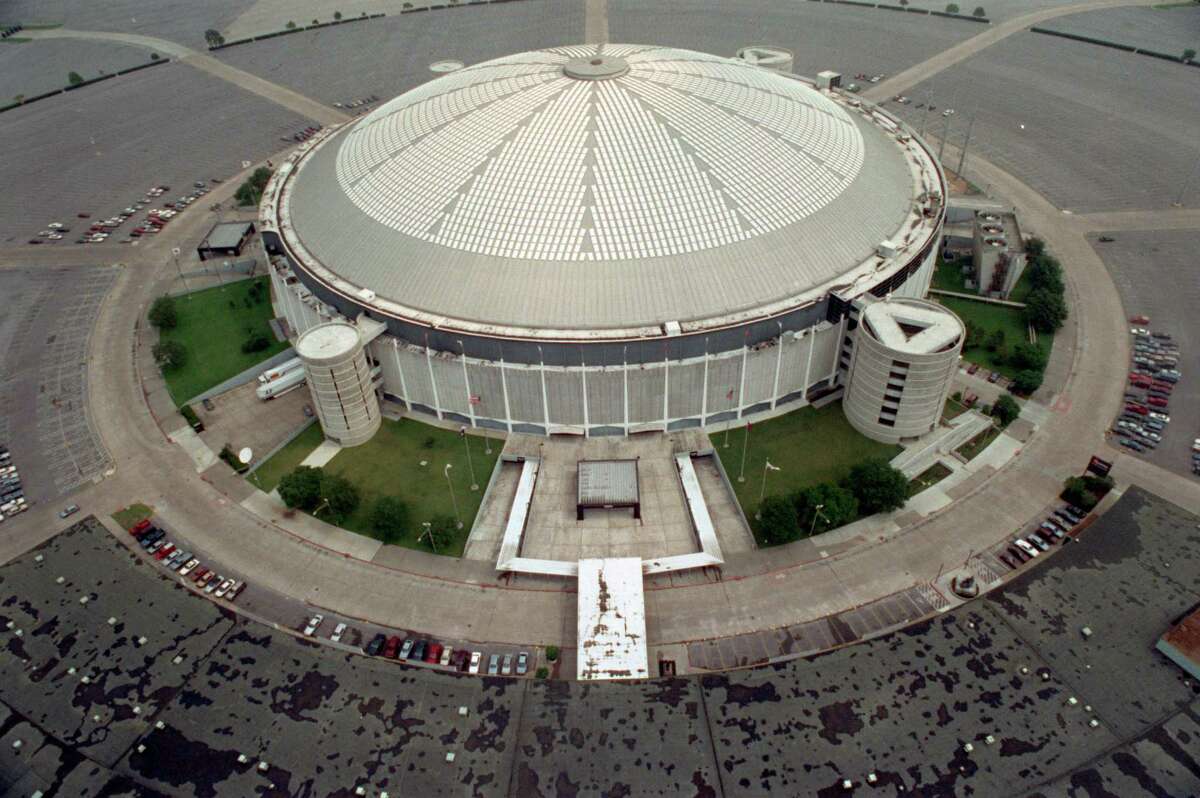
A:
[605, 239]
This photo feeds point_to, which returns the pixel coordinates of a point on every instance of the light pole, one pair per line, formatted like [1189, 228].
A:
[453, 499]
[762, 493]
[175, 253]
[429, 534]
[745, 445]
[462, 433]
[816, 512]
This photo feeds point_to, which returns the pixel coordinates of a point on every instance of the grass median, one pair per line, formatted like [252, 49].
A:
[212, 324]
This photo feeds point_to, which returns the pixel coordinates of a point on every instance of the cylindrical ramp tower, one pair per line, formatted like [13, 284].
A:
[905, 354]
[340, 380]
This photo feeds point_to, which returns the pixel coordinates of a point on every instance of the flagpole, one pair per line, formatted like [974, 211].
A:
[745, 443]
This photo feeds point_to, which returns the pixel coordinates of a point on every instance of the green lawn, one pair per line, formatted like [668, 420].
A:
[132, 514]
[991, 317]
[267, 476]
[213, 323]
[809, 446]
[948, 276]
[390, 464]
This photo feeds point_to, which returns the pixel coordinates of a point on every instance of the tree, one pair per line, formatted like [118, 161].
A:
[778, 523]
[291, 25]
[250, 192]
[337, 14]
[979, 12]
[952, 8]
[1189, 54]
[213, 37]
[1005, 410]
[1034, 247]
[1046, 272]
[1045, 310]
[974, 334]
[1027, 381]
[877, 486]
[1028, 356]
[439, 535]
[153, 56]
[1086, 491]
[552, 653]
[543, 672]
[74, 78]
[169, 355]
[301, 489]
[838, 508]
[339, 494]
[163, 313]
[389, 517]
[257, 342]
[995, 340]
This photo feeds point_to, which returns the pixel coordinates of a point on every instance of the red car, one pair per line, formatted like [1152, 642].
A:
[1156, 401]
[1139, 319]
[1139, 409]
[140, 528]
[162, 553]
[1135, 377]
[199, 574]
[974, 367]
[392, 648]
[1162, 386]
[433, 653]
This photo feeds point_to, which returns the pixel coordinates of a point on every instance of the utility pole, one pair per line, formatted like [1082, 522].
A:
[462, 433]
[453, 498]
[175, 253]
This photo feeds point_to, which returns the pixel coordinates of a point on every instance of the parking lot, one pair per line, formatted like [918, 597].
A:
[242, 706]
[388, 56]
[1074, 121]
[98, 149]
[1155, 274]
[178, 20]
[35, 67]
[44, 390]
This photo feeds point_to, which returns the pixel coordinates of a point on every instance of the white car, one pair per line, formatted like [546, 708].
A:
[476, 657]
[223, 588]
[313, 624]
[338, 631]
[1026, 547]
[447, 652]
[189, 566]
[1163, 417]
[1139, 331]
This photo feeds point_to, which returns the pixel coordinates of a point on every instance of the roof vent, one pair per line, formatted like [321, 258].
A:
[672, 329]
[366, 294]
[886, 248]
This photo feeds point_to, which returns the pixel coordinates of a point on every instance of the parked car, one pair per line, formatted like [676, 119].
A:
[235, 591]
[493, 665]
[418, 651]
[506, 667]
[433, 654]
[475, 658]
[314, 623]
[140, 527]
[68, 511]
[1028, 548]
[375, 646]
[447, 656]
[164, 552]
[338, 631]
[406, 648]
[522, 663]
[1038, 541]
[223, 588]
[391, 648]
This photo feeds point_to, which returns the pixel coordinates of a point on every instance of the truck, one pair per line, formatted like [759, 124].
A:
[288, 382]
[276, 372]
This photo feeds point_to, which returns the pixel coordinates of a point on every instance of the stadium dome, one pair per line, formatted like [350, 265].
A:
[604, 194]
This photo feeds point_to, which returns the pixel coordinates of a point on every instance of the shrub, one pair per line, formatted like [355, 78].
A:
[838, 507]
[979, 12]
[877, 486]
[153, 56]
[337, 14]
[301, 489]
[1046, 272]
[552, 653]
[1027, 381]
[995, 341]
[440, 533]
[1006, 410]
[339, 494]
[163, 313]
[316, 22]
[543, 672]
[1028, 356]
[213, 37]
[169, 355]
[291, 25]
[189, 415]
[74, 78]
[389, 517]
[1189, 54]
[952, 8]
[232, 460]
[956, 396]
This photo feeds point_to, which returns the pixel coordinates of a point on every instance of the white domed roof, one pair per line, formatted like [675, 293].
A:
[601, 187]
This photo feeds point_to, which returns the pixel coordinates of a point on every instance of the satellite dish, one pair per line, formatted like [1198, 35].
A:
[246, 455]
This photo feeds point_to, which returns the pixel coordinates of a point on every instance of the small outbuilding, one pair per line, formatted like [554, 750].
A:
[605, 484]
[225, 239]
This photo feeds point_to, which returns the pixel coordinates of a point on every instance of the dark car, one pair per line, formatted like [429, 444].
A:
[375, 646]
[1007, 560]
[418, 651]
[392, 648]
[460, 660]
